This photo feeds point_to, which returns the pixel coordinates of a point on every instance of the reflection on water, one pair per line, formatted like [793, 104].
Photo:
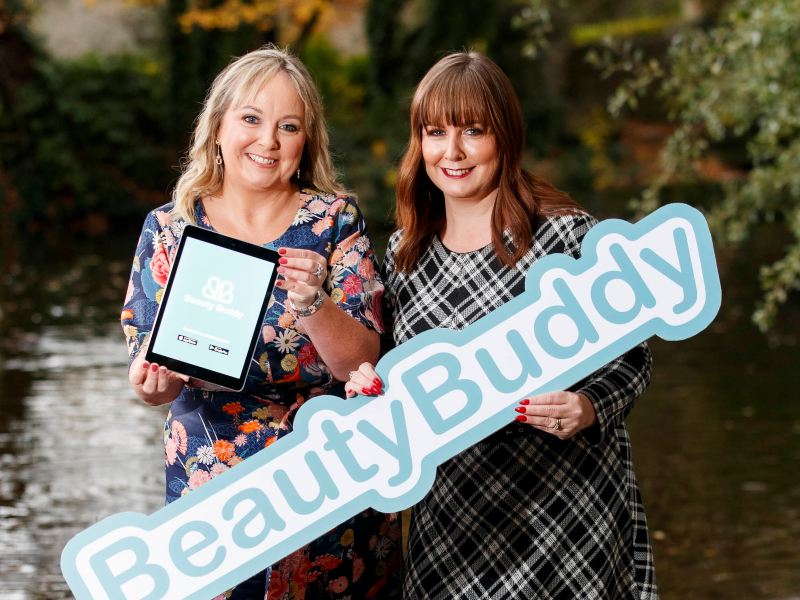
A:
[716, 439]
[76, 447]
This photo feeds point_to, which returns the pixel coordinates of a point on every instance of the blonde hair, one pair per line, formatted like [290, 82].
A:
[239, 83]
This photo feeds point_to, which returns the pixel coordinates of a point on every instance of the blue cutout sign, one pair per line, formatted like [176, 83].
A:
[446, 390]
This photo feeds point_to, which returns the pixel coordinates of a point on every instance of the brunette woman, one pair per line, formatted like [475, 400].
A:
[547, 507]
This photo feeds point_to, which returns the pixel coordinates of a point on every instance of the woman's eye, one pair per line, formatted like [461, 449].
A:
[289, 127]
[474, 131]
[250, 119]
[435, 132]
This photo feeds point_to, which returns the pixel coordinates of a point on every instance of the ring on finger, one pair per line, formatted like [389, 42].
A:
[558, 426]
[318, 272]
[352, 373]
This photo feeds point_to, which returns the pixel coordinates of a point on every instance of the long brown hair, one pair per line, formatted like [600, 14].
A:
[464, 88]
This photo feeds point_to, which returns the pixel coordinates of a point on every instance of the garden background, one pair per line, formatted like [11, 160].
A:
[628, 104]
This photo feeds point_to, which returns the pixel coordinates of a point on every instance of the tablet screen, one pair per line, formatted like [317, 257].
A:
[214, 302]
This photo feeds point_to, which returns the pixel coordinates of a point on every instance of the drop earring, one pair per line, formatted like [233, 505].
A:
[218, 159]
[298, 173]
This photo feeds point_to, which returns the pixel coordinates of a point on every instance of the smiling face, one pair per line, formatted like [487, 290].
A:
[462, 161]
[262, 142]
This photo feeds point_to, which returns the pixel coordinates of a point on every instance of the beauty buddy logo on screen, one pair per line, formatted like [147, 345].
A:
[218, 294]
[445, 391]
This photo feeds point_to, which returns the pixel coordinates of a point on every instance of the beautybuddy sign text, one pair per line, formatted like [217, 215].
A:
[445, 391]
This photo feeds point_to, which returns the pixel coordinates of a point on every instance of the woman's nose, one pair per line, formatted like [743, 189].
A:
[269, 140]
[454, 151]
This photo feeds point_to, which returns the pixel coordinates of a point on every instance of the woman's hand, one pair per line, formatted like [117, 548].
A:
[364, 381]
[304, 272]
[154, 384]
[561, 413]
[341, 340]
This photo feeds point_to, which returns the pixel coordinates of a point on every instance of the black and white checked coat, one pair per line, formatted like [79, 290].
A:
[522, 514]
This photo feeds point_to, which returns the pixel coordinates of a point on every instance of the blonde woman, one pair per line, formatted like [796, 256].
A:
[259, 170]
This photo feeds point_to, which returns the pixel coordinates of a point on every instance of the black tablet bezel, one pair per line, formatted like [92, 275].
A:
[223, 241]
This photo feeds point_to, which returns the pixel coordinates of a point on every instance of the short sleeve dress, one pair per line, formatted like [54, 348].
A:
[523, 514]
[210, 431]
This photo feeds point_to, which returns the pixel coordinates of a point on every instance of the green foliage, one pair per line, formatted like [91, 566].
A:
[405, 40]
[85, 137]
[364, 142]
[536, 20]
[738, 80]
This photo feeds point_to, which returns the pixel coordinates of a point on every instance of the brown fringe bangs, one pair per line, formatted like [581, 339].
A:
[462, 89]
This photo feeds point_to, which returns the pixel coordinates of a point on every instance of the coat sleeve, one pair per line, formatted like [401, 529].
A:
[151, 267]
[389, 275]
[353, 279]
[614, 388]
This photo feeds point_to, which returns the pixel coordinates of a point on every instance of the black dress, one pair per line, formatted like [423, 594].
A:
[523, 514]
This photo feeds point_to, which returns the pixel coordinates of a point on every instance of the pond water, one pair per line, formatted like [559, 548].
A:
[716, 438]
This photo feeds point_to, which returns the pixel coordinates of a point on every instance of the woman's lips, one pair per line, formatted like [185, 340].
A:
[255, 158]
[456, 173]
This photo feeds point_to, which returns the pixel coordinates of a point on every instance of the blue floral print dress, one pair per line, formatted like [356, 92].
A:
[210, 431]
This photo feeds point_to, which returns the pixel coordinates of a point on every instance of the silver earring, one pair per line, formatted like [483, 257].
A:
[218, 160]
[298, 173]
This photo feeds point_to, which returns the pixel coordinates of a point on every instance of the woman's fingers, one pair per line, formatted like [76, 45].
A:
[364, 385]
[540, 422]
[295, 253]
[298, 287]
[300, 282]
[550, 398]
[367, 376]
[138, 372]
[297, 275]
[364, 381]
[307, 265]
[150, 383]
[304, 291]
[368, 370]
[554, 413]
[163, 379]
[303, 266]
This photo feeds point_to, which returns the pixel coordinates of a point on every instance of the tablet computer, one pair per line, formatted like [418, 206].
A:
[213, 307]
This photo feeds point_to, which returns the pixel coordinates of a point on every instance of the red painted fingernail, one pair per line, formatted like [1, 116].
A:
[154, 367]
[145, 365]
[375, 389]
[520, 409]
[378, 382]
[367, 391]
[525, 402]
[282, 251]
[283, 261]
[522, 418]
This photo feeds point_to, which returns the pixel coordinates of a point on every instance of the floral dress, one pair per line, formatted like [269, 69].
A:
[208, 431]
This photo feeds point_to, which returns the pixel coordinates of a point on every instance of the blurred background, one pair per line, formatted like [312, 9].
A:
[629, 104]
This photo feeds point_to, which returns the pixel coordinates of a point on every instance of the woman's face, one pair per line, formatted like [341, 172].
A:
[461, 161]
[262, 142]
